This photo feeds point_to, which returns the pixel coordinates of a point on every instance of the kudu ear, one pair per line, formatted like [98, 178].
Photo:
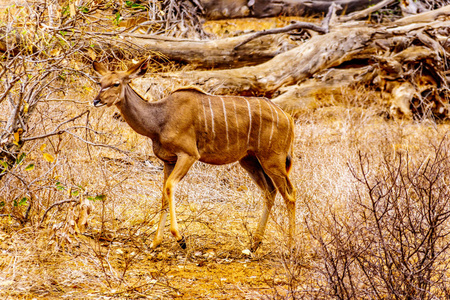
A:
[138, 69]
[99, 68]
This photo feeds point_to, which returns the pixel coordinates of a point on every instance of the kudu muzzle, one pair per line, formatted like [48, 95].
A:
[97, 102]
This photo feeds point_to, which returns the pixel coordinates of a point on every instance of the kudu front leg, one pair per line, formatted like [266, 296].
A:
[182, 166]
[157, 240]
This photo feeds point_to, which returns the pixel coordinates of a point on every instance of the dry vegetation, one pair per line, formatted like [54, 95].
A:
[79, 207]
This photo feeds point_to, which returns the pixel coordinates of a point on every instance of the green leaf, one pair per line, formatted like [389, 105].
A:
[100, 197]
[75, 193]
[133, 4]
[65, 10]
[29, 167]
[116, 20]
[21, 202]
[21, 157]
[2, 204]
[83, 9]
[97, 198]
[59, 186]
[5, 166]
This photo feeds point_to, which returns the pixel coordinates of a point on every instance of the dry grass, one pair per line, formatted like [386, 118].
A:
[218, 208]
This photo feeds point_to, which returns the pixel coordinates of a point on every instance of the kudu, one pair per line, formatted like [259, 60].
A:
[190, 125]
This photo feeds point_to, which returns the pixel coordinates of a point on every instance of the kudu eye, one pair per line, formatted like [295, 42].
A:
[116, 84]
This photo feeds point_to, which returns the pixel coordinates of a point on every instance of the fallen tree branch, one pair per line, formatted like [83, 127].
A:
[425, 17]
[221, 52]
[296, 25]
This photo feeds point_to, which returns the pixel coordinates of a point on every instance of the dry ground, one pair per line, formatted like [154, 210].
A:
[218, 208]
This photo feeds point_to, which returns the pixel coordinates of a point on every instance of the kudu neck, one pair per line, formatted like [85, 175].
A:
[141, 115]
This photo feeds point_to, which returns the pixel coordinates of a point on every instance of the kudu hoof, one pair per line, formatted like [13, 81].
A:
[153, 246]
[255, 246]
[182, 242]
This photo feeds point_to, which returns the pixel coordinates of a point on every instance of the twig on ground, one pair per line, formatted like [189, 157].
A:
[54, 205]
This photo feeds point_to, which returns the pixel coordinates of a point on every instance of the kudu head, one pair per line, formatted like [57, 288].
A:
[112, 84]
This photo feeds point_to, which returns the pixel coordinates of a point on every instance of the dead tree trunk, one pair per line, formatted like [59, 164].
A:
[406, 51]
[290, 67]
[219, 53]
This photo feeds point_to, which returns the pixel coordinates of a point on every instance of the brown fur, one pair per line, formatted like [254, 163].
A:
[190, 88]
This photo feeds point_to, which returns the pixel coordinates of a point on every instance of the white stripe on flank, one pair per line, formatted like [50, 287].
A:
[260, 122]
[204, 116]
[249, 121]
[276, 111]
[226, 120]
[237, 123]
[289, 126]
[271, 129]
[212, 118]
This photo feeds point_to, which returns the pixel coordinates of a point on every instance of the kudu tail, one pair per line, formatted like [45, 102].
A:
[289, 159]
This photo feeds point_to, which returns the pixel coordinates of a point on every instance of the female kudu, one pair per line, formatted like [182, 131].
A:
[190, 125]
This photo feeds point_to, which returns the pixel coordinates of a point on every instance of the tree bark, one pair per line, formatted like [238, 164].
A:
[244, 50]
[325, 89]
[221, 53]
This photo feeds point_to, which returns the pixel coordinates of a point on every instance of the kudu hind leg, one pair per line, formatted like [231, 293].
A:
[256, 172]
[279, 176]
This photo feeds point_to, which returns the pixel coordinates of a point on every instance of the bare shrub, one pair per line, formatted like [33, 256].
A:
[37, 68]
[392, 242]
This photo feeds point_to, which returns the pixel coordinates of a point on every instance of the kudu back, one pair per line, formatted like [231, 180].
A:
[190, 125]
